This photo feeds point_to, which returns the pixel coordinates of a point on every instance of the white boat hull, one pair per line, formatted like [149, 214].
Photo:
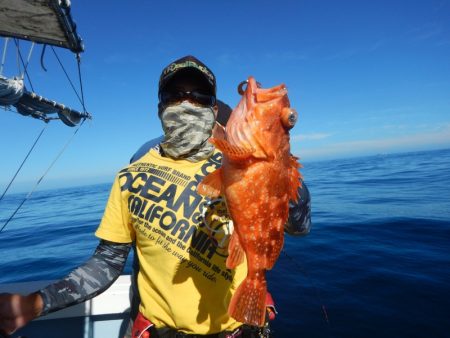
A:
[105, 316]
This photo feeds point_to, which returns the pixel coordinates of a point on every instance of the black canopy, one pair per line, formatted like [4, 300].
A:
[42, 21]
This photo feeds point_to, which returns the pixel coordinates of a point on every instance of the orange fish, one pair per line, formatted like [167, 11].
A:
[258, 177]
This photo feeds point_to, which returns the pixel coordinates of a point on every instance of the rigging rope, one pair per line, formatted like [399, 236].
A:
[23, 64]
[19, 56]
[23, 162]
[68, 78]
[42, 58]
[81, 82]
[42, 177]
[5, 47]
[29, 57]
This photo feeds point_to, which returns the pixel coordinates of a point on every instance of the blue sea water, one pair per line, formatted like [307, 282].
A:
[376, 264]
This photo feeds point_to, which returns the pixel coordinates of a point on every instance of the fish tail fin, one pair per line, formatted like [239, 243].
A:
[236, 253]
[248, 304]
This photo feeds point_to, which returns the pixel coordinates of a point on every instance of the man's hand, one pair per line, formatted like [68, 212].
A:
[17, 310]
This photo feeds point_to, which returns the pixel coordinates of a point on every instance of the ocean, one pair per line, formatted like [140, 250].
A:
[376, 263]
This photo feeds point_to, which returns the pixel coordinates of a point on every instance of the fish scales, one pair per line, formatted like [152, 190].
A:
[258, 177]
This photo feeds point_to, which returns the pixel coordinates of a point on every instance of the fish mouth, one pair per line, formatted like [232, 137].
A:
[255, 94]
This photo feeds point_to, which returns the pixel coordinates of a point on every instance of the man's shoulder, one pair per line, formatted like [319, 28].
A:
[145, 148]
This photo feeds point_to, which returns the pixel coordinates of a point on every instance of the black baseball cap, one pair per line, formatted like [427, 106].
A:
[188, 66]
[224, 112]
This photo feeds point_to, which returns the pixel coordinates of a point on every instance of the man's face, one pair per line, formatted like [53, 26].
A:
[184, 84]
[187, 88]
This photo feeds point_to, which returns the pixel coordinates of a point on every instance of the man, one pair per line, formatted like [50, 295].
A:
[181, 237]
[223, 114]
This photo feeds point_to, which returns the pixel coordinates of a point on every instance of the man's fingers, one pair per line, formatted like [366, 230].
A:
[7, 327]
[3, 335]
[11, 313]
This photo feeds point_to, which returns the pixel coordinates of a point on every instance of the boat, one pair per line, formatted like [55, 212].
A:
[49, 23]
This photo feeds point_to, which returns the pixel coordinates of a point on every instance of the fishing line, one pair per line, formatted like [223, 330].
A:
[42, 177]
[23, 162]
[316, 289]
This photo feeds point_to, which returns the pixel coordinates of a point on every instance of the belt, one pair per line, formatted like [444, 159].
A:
[142, 324]
[170, 333]
[177, 334]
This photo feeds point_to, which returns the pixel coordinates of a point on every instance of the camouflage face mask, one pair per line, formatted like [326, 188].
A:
[187, 129]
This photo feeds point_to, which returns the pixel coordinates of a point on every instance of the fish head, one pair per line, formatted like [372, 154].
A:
[262, 120]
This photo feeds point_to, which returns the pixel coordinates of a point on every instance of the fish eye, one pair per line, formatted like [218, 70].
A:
[289, 117]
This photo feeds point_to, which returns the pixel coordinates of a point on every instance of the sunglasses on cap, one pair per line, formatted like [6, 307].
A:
[196, 97]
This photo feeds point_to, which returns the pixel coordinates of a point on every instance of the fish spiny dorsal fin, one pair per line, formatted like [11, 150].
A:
[231, 151]
[211, 185]
[265, 97]
[272, 94]
[294, 178]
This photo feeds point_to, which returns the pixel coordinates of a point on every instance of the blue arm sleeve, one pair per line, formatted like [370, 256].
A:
[299, 222]
[89, 280]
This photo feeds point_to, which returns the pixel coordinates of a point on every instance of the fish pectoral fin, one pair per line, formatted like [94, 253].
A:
[211, 185]
[236, 253]
[233, 152]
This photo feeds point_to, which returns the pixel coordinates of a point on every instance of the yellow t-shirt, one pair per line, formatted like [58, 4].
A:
[183, 281]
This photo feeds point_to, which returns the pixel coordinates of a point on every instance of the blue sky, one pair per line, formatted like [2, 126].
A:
[365, 77]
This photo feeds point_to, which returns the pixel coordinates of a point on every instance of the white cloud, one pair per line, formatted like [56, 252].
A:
[310, 137]
[343, 54]
[427, 140]
[286, 56]
[377, 44]
[428, 31]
